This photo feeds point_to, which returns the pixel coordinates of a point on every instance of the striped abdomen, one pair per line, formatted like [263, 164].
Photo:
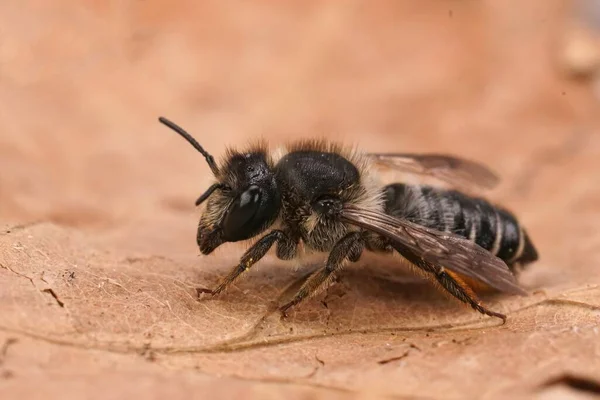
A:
[491, 227]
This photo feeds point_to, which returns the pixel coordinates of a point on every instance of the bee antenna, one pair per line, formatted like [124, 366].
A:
[209, 159]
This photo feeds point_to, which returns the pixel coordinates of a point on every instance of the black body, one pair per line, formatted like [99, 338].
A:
[325, 197]
[470, 217]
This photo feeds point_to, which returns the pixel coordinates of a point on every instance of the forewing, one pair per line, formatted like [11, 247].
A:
[438, 248]
[455, 171]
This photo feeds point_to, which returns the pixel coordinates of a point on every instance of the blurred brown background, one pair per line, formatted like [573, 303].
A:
[96, 186]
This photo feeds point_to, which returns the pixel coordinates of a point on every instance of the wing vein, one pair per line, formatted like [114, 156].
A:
[452, 170]
[438, 248]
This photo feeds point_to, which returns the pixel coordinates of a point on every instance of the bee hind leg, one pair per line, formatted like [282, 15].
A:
[347, 248]
[459, 289]
[450, 282]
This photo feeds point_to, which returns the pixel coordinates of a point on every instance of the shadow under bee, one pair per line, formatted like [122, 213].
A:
[375, 282]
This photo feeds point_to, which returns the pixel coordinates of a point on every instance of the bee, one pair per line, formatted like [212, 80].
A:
[324, 197]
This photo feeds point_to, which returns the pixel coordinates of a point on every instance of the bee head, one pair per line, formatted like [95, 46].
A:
[242, 203]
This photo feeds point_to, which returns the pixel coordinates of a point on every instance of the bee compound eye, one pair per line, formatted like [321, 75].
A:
[239, 222]
[249, 198]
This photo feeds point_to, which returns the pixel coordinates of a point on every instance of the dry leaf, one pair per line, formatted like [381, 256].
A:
[98, 263]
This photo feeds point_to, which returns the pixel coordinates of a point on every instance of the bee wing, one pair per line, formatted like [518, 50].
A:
[438, 248]
[452, 170]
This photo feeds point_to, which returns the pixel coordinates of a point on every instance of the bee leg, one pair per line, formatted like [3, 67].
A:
[349, 247]
[288, 246]
[459, 289]
[250, 257]
[451, 282]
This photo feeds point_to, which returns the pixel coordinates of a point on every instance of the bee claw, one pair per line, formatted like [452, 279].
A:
[283, 310]
[200, 291]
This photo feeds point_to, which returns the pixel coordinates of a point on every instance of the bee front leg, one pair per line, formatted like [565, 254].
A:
[349, 247]
[250, 257]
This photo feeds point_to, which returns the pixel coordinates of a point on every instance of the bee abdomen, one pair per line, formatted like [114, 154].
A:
[491, 227]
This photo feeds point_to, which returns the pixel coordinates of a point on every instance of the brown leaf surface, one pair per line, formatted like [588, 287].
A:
[98, 262]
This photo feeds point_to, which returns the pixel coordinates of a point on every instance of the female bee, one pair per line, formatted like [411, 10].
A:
[328, 198]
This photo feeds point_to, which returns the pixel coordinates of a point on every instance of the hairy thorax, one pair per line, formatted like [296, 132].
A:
[309, 174]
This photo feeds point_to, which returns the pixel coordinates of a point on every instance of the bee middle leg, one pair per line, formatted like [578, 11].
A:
[253, 255]
[349, 248]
